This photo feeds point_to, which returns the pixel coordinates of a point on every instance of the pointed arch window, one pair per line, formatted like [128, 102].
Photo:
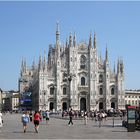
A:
[100, 78]
[83, 62]
[83, 81]
[112, 91]
[101, 91]
[64, 91]
[51, 91]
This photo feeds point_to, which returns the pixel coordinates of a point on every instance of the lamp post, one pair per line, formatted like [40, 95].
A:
[113, 117]
[55, 96]
[69, 79]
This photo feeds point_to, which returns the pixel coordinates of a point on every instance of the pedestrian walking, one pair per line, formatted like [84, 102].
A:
[31, 116]
[85, 117]
[100, 117]
[70, 117]
[43, 115]
[47, 116]
[25, 120]
[37, 119]
[1, 120]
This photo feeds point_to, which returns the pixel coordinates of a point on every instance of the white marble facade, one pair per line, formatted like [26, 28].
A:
[74, 76]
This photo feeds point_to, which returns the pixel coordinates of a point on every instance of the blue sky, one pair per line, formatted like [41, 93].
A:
[27, 29]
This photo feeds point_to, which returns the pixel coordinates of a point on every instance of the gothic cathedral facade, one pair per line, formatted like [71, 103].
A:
[73, 76]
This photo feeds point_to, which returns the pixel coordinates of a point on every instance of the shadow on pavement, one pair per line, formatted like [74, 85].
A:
[23, 132]
[118, 131]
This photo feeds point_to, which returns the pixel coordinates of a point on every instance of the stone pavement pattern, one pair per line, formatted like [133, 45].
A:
[58, 129]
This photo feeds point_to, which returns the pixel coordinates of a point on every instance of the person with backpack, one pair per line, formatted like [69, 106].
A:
[25, 120]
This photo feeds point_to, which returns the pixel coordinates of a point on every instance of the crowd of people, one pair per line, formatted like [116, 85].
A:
[36, 116]
[98, 116]
[92, 114]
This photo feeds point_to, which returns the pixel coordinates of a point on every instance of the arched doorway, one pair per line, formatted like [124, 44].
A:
[51, 105]
[100, 105]
[113, 105]
[64, 106]
[83, 104]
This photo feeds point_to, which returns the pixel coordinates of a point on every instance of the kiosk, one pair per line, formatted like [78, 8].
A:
[131, 118]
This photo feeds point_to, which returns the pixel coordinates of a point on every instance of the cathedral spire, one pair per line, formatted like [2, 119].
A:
[66, 42]
[33, 65]
[57, 33]
[57, 40]
[118, 66]
[121, 66]
[94, 40]
[90, 40]
[24, 65]
[70, 40]
[74, 40]
[101, 58]
[45, 61]
[106, 54]
[40, 62]
[114, 67]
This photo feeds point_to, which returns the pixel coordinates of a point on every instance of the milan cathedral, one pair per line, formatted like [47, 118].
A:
[73, 76]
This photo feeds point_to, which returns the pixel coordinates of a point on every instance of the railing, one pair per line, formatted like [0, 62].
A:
[83, 87]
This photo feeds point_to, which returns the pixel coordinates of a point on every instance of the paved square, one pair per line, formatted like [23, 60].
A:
[59, 129]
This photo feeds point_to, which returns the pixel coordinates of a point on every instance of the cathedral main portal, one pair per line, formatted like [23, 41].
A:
[64, 106]
[83, 104]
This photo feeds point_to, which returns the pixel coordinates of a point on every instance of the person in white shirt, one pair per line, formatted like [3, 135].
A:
[1, 123]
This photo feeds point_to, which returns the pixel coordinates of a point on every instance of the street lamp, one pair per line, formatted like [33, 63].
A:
[69, 78]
